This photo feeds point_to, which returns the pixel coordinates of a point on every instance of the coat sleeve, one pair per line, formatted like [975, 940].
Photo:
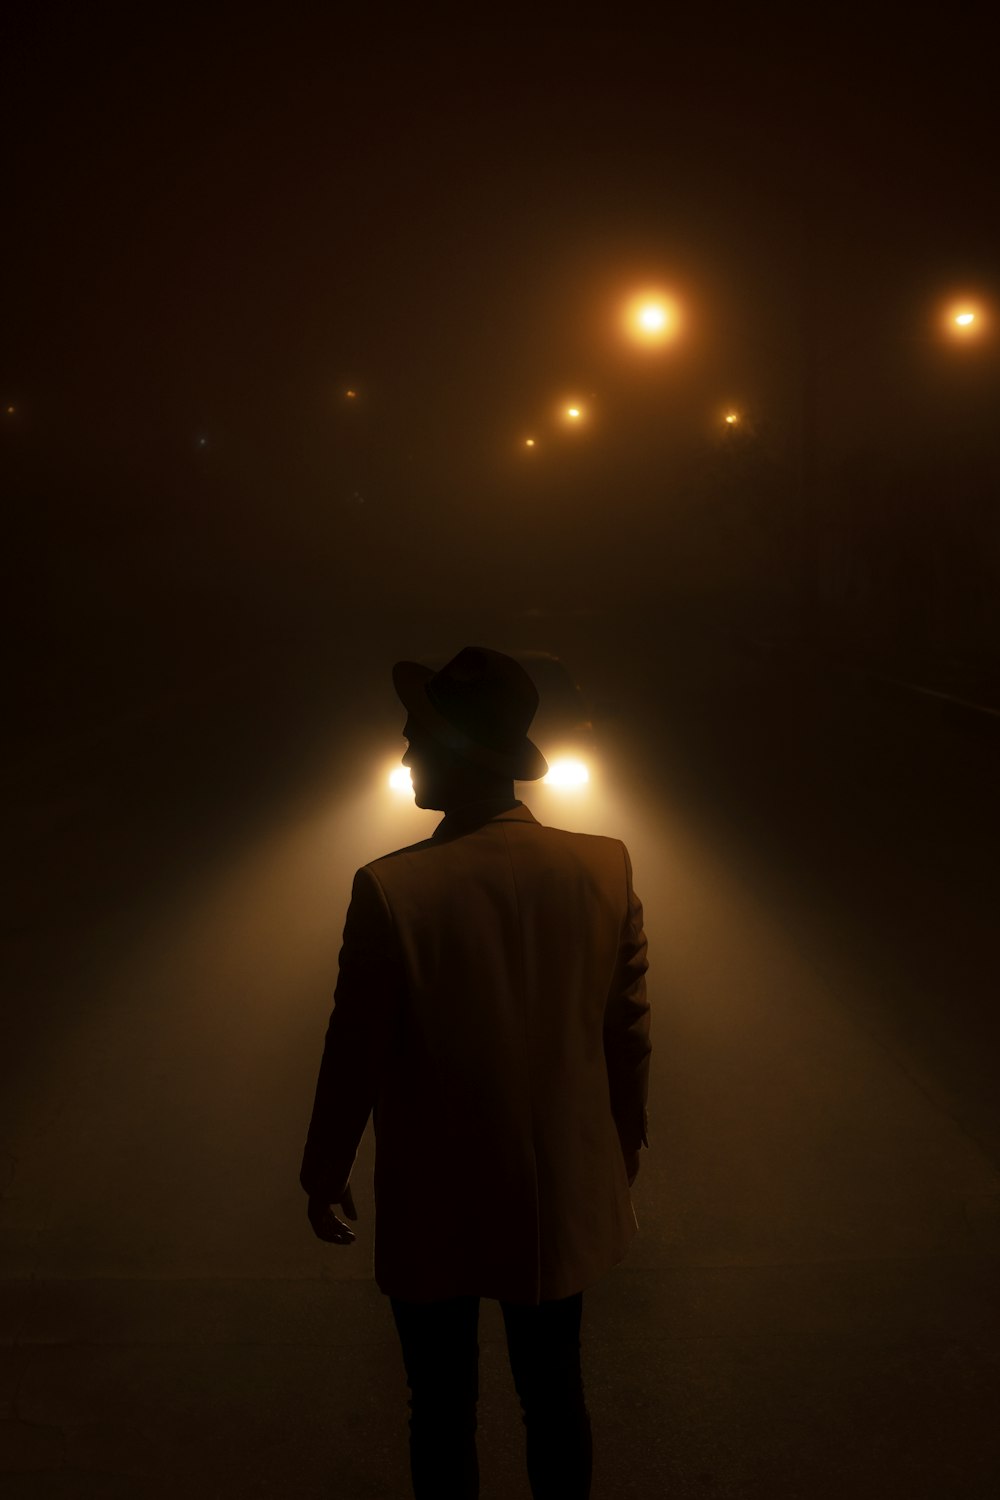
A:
[627, 1046]
[360, 1033]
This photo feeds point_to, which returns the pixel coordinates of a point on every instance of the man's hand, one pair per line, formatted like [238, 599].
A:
[326, 1225]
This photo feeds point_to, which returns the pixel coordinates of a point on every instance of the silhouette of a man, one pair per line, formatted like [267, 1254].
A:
[491, 1013]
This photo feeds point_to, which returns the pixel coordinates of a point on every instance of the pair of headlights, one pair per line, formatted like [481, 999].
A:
[565, 772]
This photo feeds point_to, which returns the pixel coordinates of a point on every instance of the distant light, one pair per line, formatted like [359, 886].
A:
[651, 318]
[203, 442]
[572, 411]
[732, 418]
[529, 442]
[966, 318]
[11, 410]
[351, 395]
[400, 780]
[564, 773]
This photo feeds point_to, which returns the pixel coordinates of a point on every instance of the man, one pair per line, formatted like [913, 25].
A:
[491, 1013]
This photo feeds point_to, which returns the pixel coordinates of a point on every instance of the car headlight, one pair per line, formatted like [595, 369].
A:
[566, 772]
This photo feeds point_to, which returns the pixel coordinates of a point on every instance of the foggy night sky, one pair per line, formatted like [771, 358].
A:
[216, 225]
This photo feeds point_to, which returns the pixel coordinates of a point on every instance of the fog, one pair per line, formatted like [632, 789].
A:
[785, 627]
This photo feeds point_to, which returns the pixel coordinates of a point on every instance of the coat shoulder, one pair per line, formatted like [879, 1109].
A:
[384, 860]
[585, 840]
[593, 850]
[597, 845]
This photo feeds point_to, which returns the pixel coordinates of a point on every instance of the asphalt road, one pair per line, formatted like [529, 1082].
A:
[811, 1307]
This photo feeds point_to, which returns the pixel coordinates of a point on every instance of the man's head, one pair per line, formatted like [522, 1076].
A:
[467, 727]
[444, 779]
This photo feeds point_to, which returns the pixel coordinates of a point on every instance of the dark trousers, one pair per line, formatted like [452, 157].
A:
[441, 1355]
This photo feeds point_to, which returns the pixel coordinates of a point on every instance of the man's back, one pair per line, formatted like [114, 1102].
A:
[516, 1072]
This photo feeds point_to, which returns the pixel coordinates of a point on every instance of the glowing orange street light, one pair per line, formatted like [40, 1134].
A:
[651, 318]
[351, 395]
[965, 319]
[529, 442]
[572, 411]
[736, 423]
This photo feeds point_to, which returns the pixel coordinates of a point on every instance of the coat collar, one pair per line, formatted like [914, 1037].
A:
[476, 814]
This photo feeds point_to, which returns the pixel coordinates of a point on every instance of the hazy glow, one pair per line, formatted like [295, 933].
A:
[529, 442]
[651, 318]
[571, 410]
[964, 317]
[567, 773]
[400, 780]
[732, 417]
[351, 395]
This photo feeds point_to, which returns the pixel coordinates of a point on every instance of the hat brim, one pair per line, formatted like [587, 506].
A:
[524, 763]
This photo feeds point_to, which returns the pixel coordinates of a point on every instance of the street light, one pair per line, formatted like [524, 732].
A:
[737, 425]
[651, 318]
[964, 319]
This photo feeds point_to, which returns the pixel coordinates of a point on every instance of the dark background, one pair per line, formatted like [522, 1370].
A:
[217, 225]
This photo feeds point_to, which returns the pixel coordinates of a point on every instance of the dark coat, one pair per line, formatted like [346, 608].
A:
[491, 1010]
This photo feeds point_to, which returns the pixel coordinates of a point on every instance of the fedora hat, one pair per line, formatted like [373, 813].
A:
[479, 705]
